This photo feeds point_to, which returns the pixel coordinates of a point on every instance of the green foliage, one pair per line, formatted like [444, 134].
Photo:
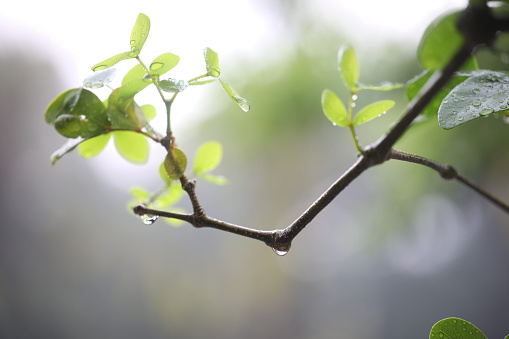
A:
[207, 158]
[139, 34]
[132, 146]
[163, 63]
[372, 111]
[240, 101]
[455, 328]
[211, 62]
[93, 146]
[484, 93]
[175, 163]
[334, 109]
[111, 61]
[348, 66]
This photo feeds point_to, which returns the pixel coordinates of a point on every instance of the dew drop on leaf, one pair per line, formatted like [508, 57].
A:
[460, 118]
[486, 111]
[477, 103]
[156, 65]
[133, 42]
[243, 103]
[475, 90]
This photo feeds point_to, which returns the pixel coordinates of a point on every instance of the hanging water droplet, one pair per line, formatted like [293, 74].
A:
[280, 253]
[282, 248]
[486, 111]
[156, 65]
[354, 97]
[353, 104]
[477, 103]
[243, 103]
[475, 90]
[149, 219]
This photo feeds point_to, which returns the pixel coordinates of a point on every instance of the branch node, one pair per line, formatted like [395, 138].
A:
[448, 173]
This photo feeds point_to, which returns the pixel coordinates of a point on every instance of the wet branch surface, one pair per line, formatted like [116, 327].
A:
[476, 32]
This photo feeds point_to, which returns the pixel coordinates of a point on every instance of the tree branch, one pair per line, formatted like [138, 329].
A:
[472, 24]
[447, 172]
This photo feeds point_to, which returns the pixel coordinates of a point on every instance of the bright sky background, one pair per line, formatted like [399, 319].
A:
[80, 34]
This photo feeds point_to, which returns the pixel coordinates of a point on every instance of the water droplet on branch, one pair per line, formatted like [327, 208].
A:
[149, 219]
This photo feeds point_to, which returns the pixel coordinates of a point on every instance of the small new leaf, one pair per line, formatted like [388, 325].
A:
[136, 72]
[455, 328]
[112, 61]
[139, 34]
[348, 66]
[334, 109]
[372, 111]
[240, 101]
[93, 146]
[132, 146]
[66, 148]
[212, 62]
[175, 163]
[208, 157]
[484, 93]
[132, 87]
[163, 63]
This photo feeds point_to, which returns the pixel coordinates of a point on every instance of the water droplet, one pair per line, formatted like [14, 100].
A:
[467, 108]
[156, 65]
[282, 248]
[475, 90]
[454, 321]
[486, 111]
[445, 101]
[133, 42]
[149, 219]
[353, 104]
[462, 98]
[454, 112]
[442, 121]
[503, 106]
[354, 97]
[87, 84]
[243, 103]
[441, 335]
[460, 118]
[477, 103]
[456, 99]
[494, 78]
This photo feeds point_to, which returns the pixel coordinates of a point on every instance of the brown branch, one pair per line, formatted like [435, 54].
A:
[471, 24]
[447, 172]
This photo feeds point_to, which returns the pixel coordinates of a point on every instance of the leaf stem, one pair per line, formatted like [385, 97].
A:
[198, 78]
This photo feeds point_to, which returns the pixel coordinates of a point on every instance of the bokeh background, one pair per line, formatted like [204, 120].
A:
[397, 251]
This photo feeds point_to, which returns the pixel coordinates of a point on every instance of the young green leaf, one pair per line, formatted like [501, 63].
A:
[240, 101]
[173, 85]
[139, 194]
[149, 111]
[455, 328]
[139, 34]
[175, 163]
[163, 174]
[348, 66]
[215, 179]
[124, 114]
[93, 146]
[111, 61]
[100, 79]
[163, 63]
[482, 94]
[65, 148]
[208, 157]
[132, 146]
[334, 109]
[372, 111]
[212, 62]
[77, 113]
[132, 87]
[172, 195]
[137, 71]
[382, 87]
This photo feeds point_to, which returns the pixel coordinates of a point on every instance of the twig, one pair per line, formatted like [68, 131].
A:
[447, 172]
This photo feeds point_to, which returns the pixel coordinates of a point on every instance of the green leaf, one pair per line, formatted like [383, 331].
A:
[77, 113]
[93, 146]
[163, 174]
[137, 71]
[172, 195]
[480, 95]
[163, 63]
[372, 111]
[455, 328]
[208, 156]
[348, 66]
[173, 85]
[111, 61]
[416, 84]
[124, 114]
[175, 163]
[100, 79]
[139, 194]
[240, 101]
[133, 87]
[149, 111]
[139, 34]
[382, 87]
[334, 109]
[132, 146]
[66, 148]
[440, 42]
[212, 62]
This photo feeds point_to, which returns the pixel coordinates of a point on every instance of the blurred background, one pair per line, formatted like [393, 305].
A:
[396, 252]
